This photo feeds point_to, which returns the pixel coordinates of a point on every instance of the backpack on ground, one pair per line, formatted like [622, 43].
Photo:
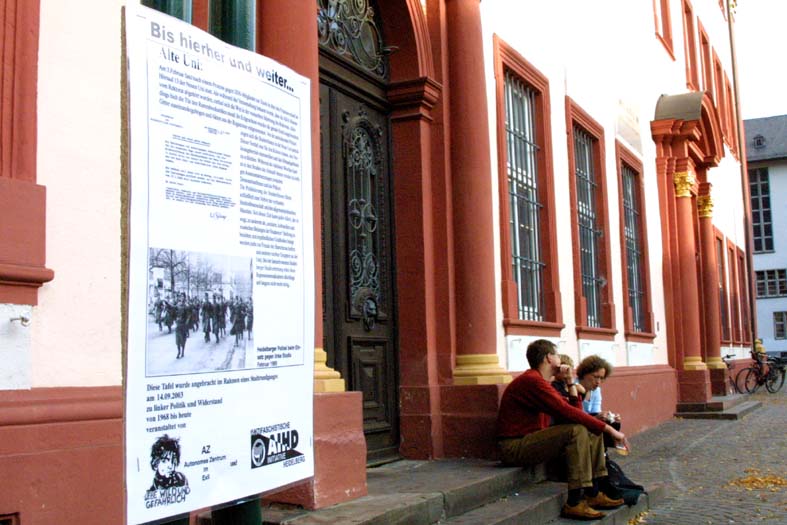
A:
[628, 490]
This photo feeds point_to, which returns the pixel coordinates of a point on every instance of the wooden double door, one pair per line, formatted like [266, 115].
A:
[359, 303]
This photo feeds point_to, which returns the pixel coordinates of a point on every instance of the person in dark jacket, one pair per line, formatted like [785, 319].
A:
[182, 324]
[238, 318]
[207, 316]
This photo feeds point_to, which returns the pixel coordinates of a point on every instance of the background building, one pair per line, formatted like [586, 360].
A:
[766, 153]
[540, 169]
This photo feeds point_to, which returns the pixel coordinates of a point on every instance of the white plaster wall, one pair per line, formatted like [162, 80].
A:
[777, 175]
[606, 57]
[15, 346]
[516, 348]
[715, 24]
[727, 195]
[75, 333]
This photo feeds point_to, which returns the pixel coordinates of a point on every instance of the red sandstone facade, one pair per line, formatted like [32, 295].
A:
[455, 306]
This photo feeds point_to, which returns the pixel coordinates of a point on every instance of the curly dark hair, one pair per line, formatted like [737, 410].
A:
[163, 447]
[591, 364]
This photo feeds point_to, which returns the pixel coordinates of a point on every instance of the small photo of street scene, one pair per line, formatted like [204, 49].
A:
[200, 313]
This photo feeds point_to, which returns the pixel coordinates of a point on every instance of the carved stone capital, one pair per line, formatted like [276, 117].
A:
[684, 181]
[705, 206]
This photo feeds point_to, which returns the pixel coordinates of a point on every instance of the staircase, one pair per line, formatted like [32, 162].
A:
[455, 492]
[719, 407]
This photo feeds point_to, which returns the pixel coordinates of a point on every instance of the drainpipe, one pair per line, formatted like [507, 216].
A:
[747, 228]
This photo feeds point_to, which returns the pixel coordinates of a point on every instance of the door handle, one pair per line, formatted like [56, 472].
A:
[369, 313]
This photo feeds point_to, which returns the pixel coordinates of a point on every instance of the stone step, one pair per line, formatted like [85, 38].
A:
[534, 504]
[541, 504]
[715, 404]
[732, 413]
[377, 509]
[449, 492]
[623, 515]
[417, 492]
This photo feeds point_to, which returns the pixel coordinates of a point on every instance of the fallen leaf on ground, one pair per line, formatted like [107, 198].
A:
[756, 480]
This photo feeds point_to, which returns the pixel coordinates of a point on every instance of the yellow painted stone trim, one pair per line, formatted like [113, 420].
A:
[705, 206]
[684, 181]
[479, 369]
[715, 363]
[326, 379]
[693, 363]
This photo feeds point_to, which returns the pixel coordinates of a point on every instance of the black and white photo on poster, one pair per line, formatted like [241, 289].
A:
[200, 313]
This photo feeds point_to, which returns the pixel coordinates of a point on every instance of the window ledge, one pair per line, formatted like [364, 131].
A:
[596, 334]
[22, 241]
[539, 328]
[667, 45]
[640, 337]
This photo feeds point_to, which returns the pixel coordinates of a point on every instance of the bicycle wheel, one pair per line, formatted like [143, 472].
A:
[740, 380]
[775, 380]
[751, 380]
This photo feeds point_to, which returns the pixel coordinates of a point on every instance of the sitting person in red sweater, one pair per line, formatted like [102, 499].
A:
[525, 437]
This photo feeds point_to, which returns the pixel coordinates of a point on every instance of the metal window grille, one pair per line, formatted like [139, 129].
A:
[742, 291]
[771, 283]
[762, 223]
[733, 295]
[780, 325]
[634, 255]
[524, 206]
[233, 22]
[725, 322]
[589, 232]
[177, 8]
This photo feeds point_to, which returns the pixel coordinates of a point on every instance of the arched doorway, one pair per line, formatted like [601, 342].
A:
[687, 134]
[359, 293]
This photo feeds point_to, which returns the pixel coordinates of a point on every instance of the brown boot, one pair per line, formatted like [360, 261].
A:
[602, 501]
[581, 511]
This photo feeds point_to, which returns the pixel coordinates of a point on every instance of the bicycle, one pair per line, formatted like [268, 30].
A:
[734, 388]
[768, 371]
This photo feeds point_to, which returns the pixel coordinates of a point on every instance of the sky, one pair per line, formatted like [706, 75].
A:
[761, 47]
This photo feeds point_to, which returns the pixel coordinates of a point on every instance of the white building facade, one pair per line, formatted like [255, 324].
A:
[766, 154]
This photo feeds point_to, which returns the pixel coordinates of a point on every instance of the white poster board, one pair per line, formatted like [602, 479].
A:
[219, 375]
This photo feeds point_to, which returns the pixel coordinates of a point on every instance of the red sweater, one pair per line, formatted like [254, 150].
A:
[529, 401]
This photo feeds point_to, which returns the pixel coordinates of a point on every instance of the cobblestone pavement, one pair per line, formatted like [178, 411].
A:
[699, 461]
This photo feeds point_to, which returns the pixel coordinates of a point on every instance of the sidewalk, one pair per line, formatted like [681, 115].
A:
[715, 471]
[697, 471]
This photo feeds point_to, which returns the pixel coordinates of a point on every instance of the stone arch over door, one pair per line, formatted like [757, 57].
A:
[687, 134]
[407, 100]
[422, 226]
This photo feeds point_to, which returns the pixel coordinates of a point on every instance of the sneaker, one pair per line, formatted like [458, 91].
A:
[602, 501]
[581, 511]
